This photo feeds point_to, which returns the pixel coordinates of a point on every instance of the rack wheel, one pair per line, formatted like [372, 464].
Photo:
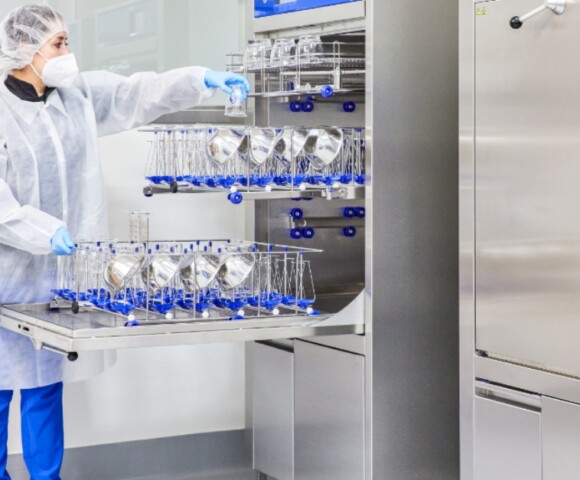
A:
[148, 192]
[308, 233]
[72, 356]
[173, 186]
[75, 307]
[349, 212]
[132, 323]
[236, 198]
[327, 91]
[296, 213]
[349, 232]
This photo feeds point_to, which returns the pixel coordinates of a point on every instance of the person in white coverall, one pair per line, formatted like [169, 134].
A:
[51, 192]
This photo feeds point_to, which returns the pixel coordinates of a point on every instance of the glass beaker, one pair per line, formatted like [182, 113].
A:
[139, 227]
[256, 52]
[309, 49]
[236, 105]
[282, 52]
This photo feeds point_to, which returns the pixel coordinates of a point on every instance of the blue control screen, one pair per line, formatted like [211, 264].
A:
[266, 8]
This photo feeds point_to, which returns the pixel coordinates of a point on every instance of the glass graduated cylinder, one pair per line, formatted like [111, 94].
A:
[139, 227]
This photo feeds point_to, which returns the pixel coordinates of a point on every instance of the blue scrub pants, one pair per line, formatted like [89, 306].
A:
[42, 431]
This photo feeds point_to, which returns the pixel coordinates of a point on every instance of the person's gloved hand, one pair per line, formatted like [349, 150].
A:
[61, 242]
[225, 80]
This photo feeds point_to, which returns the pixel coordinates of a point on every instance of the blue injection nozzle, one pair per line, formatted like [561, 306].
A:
[308, 233]
[307, 106]
[295, 106]
[349, 232]
[296, 233]
[349, 212]
[360, 212]
[349, 107]
[296, 213]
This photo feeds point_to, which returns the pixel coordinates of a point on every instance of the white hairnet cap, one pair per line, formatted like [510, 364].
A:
[23, 31]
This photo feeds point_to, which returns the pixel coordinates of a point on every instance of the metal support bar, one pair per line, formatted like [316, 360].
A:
[327, 222]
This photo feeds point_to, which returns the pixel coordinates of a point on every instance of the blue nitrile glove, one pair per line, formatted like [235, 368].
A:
[224, 81]
[61, 242]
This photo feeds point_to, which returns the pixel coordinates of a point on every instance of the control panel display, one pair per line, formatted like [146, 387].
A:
[266, 8]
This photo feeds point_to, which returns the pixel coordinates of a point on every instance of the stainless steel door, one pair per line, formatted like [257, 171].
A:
[527, 160]
[560, 439]
[329, 413]
[273, 411]
[507, 437]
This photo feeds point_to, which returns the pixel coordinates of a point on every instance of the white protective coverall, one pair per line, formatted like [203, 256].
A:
[50, 176]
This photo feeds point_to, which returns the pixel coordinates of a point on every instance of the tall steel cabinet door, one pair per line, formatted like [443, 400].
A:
[561, 439]
[527, 117]
[273, 411]
[329, 413]
[507, 441]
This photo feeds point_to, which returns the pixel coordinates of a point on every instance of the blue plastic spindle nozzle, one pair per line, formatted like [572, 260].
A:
[296, 233]
[349, 107]
[349, 231]
[296, 213]
[308, 233]
[349, 212]
[295, 106]
[307, 106]
[360, 212]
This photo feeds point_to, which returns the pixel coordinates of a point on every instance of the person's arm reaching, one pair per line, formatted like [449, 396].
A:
[22, 226]
[122, 103]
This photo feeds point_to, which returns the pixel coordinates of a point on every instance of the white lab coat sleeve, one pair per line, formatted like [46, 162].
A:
[122, 103]
[22, 226]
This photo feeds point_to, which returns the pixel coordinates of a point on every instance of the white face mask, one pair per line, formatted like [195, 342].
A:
[59, 72]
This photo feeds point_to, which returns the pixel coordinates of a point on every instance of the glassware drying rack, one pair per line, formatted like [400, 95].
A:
[125, 294]
[307, 65]
[257, 162]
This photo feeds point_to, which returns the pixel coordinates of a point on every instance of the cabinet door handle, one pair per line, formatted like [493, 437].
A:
[556, 6]
[497, 393]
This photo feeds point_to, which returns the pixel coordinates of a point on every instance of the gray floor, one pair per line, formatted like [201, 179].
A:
[211, 456]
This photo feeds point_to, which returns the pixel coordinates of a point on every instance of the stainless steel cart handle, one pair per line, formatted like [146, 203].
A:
[556, 6]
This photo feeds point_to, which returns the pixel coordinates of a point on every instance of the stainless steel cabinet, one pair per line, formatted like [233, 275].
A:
[507, 437]
[526, 189]
[560, 439]
[273, 411]
[308, 412]
[524, 436]
[329, 411]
